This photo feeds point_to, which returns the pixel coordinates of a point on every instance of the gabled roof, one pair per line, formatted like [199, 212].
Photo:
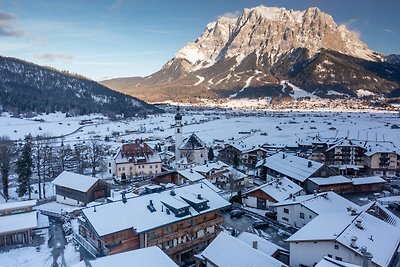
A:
[279, 189]
[329, 262]
[367, 180]
[136, 152]
[228, 251]
[339, 179]
[321, 203]
[18, 222]
[75, 181]
[292, 166]
[191, 175]
[379, 237]
[17, 205]
[145, 257]
[263, 245]
[219, 165]
[123, 218]
[193, 142]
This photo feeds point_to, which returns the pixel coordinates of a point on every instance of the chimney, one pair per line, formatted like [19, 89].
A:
[283, 155]
[353, 212]
[172, 192]
[359, 224]
[151, 202]
[309, 164]
[255, 245]
[367, 257]
[94, 208]
[199, 196]
[353, 243]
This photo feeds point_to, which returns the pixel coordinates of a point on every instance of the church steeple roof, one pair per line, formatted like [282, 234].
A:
[178, 115]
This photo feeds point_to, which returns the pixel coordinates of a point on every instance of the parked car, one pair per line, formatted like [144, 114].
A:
[271, 215]
[394, 205]
[260, 224]
[236, 213]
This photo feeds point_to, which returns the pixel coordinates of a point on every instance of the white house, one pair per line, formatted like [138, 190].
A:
[278, 190]
[372, 235]
[299, 211]
[228, 251]
[192, 152]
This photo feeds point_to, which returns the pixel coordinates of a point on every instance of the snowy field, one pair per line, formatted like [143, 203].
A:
[279, 128]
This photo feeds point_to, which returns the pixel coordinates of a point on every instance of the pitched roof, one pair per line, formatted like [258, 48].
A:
[292, 166]
[326, 202]
[144, 257]
[381, 238]
[122, 219]
[75, 181]
[17, 222]
[136, 152]
[263, 245]
[279, 189]
[193, 142]
[191, 175]
[367, 180]
[339, 179]
[227, 251]
[329, 262]
[17, 205]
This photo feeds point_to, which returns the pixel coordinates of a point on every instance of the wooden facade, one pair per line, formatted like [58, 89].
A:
[180, 240]
[101, 189]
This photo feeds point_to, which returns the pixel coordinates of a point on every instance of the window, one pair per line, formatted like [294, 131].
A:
[329, 255]
[336, 246]
[201, 155]
[310, 217]
[109, 171]
[65, 198]
[285, 219]
[338, 258]
[109, 164]
[286, 210]
[123, 168]
[119, 168]
[151, 166]
[301, 215]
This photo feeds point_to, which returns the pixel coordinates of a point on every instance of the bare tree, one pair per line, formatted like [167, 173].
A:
[96, 156]
[80, 154]
[7, 152]
[64, 154]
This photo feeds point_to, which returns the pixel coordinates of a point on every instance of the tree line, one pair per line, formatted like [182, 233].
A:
[38, 160]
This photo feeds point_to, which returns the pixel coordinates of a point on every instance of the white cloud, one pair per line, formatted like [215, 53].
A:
[55, 56]
[231, 15]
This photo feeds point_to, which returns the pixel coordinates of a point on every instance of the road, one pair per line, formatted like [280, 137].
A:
[57, 243]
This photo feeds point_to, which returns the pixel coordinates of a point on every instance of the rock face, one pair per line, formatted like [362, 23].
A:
[26, 87]
[268, 51]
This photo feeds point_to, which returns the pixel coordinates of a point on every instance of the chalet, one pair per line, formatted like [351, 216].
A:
[146, 257]
[368, 184]
[337, 183]
[181, 221]
[295, 168]
[228, 251]
[370, 237]
[240, 153]
[17, 222]
[299, 211]
[232, 179]
[78, 190]
[277, 190]
[192, 152]
[132, 160]
[382, 159]
[345, 152]
[212, 170]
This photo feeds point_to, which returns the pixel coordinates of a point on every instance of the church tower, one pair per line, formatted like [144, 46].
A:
[178, 134]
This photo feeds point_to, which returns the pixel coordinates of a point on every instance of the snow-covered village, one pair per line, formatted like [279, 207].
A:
[272, 139]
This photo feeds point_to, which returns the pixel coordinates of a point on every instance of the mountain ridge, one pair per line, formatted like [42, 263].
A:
[261, 49]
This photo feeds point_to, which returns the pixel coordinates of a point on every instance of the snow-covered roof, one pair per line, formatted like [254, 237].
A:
[122, 218]
[380, 147]
[136, 153]
[144, 257]
[280, 189]
[339, 179]
[228, 251]
[379, 237]
[263, 245]
[75, 181]
[367, 180]
[321, 203]
[219, 165]
[18, 222]
[17, 205]
[329, 262]
[191, 175]
[234, 174]
[211, 185]
[346, 143]
[193, 142]
[292, 166]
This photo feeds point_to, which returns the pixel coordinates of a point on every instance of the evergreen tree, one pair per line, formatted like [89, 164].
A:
[210, 154]
[24, 168]
[7, 152]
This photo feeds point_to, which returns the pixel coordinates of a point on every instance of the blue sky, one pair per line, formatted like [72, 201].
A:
[117, 38]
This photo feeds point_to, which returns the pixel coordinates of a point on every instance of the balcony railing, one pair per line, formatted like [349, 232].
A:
[83, 242]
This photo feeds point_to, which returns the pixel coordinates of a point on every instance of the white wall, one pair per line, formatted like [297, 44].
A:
[309, 253]
[293, 217]
[250, 201]
[68, 201]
